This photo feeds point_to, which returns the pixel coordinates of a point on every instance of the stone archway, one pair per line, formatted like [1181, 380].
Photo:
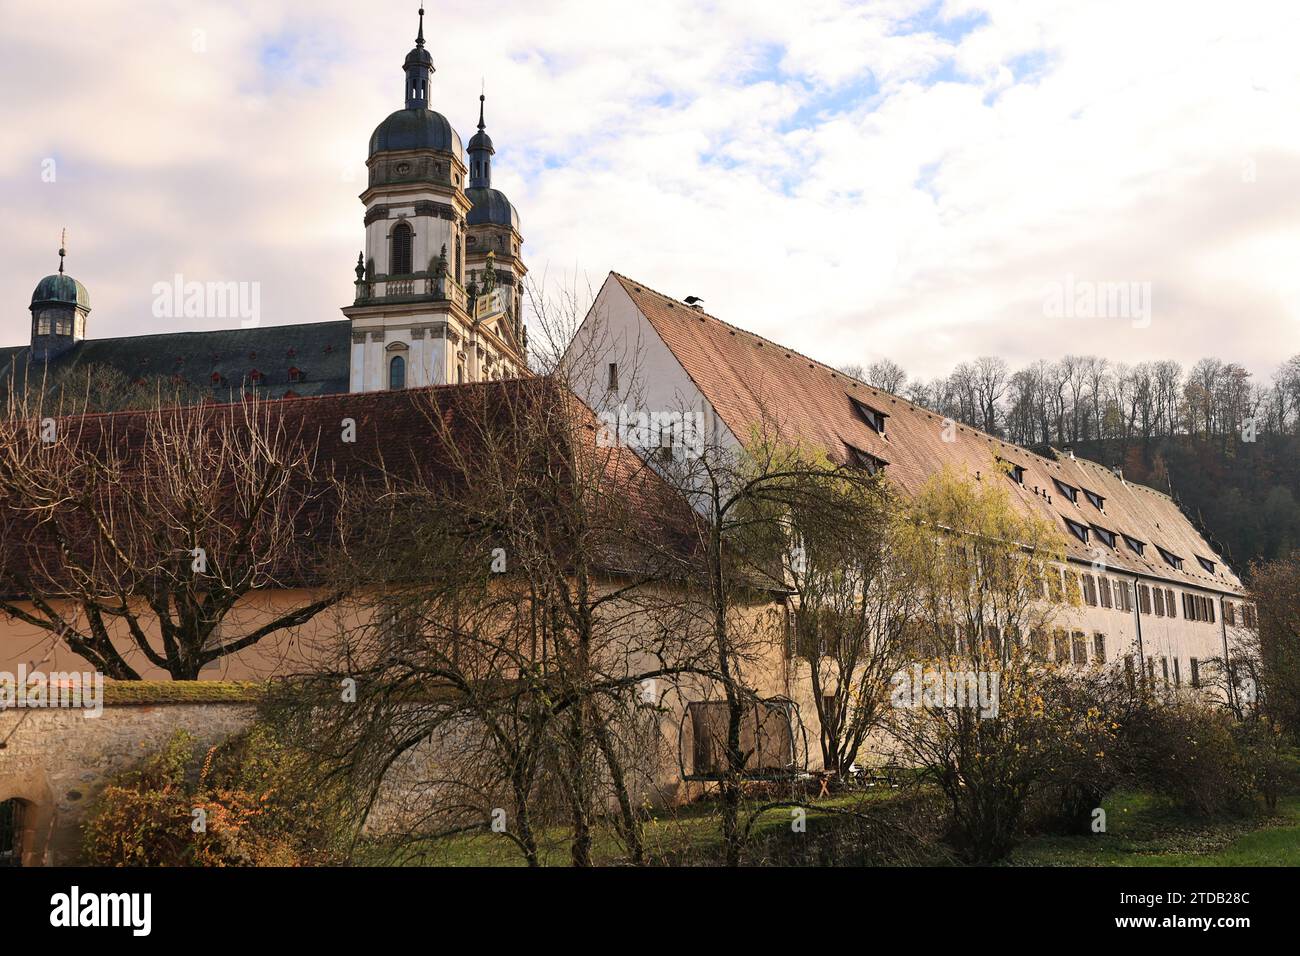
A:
[26, 818]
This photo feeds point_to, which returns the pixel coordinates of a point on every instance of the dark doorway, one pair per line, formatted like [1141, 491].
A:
[11, 832]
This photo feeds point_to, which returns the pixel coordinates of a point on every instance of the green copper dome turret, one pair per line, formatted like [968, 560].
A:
[60, 289]
[59, 308]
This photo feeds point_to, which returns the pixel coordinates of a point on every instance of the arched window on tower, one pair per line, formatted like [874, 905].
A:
[399, 263]
[397, 372]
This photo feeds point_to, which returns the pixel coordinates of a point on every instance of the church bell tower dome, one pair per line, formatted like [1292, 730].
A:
[417, 126]
[59, 308]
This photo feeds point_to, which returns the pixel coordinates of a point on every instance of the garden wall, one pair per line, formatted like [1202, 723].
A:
[56, 761]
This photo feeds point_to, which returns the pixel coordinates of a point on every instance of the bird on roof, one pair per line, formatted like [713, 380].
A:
[692, 300]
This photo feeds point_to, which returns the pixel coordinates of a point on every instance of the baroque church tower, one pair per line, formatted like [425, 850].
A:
[420, 317]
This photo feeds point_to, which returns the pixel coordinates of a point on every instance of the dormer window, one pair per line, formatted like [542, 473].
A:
[1097, 500]
[1171, 559]
[864, 460]
[874, 417]
[1015, 472]
[295, 374]
[1134, 545]
[1206, 563]
[1069, 491]
[1107, 537]
[1080, 531]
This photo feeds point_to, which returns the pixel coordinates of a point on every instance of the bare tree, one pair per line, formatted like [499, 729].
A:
[142, 535]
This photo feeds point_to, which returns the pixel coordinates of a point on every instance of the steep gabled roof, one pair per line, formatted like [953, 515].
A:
[752, 381]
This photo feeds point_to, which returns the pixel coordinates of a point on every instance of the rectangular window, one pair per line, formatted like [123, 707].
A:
[1129, 672]
[1038, 643]
[1160, 602]
[1229, 614]
[1248, 615]
[1104, 587]
[1099, 647]
[1195, 672]
[1062, 642]
[1178, 674]
[613, 377]
[1169, 602]
[1073, 594]
[43, 325]
[1164, 669]
[1079, 644]
[1144, 599]
[1090, 590]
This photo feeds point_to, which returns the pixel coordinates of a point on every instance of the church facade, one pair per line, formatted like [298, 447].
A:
[438, 292]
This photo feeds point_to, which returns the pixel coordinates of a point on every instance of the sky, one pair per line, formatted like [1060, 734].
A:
[924, 181]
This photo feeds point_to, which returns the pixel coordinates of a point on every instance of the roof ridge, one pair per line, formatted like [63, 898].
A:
[880, 391]
[833, 371]
[1106, 468]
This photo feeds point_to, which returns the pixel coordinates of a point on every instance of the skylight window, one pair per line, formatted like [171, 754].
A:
[1206, 563]
[1171, 559]
[874, 417]
[1134, 545]
[1097, 500]
[1069, 491]
[1080, 531]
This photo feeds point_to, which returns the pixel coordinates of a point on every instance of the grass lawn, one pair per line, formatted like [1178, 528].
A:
[1143, 832]
[688, 835]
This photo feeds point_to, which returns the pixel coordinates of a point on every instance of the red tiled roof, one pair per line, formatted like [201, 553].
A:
[395, 440]
[752, 381]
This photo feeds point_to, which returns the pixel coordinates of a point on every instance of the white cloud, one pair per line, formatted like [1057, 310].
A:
[852, 179]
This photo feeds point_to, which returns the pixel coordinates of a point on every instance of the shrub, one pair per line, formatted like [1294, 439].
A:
[1050, 735]
[257, 806]
[1190, 754]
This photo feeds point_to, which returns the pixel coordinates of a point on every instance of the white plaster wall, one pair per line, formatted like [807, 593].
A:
[650, 377]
